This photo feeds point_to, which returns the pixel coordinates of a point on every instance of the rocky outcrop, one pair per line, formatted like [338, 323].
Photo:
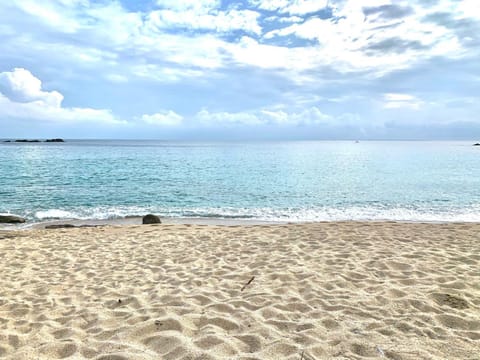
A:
[151, 219]
[11, 219]
[57, 140]
[476, 144]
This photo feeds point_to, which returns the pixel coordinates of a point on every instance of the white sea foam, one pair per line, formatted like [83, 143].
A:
[82, 213]
[55, 214]
[470, 214]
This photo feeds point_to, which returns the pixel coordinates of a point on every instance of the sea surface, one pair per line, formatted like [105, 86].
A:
[266, 181]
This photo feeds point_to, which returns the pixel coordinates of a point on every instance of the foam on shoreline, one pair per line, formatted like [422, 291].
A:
[125, 215]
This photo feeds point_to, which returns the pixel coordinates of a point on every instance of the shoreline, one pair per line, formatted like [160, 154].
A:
[137, 220]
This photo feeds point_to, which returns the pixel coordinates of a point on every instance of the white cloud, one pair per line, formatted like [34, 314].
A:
[53, 13]
[40, 111]
[398, 97]
[21, 86]
[226, 118]
[184, 52]
[354, 41]
[290, 19]
[308, 116]
[469, 9]
[191, 43]
[250, 51]
[163, 118]
[143, 45]
[184, 5]
[22, 98]
[401, 101]
[220, 21]
[109, 22]
[295, 7]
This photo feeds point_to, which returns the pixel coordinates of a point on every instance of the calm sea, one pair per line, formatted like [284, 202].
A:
[274, 181]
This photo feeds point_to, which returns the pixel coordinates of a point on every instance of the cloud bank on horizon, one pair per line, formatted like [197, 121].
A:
[240, 69]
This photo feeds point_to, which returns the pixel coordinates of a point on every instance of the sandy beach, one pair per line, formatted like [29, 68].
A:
[346, 290]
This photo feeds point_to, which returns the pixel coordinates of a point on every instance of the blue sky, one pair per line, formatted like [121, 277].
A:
[247, 69]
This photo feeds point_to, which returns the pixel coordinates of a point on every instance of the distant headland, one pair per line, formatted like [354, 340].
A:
[58, 140]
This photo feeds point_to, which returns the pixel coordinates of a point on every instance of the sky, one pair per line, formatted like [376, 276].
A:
[240, 69]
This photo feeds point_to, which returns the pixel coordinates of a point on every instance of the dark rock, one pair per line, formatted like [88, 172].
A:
[151, 219]
[27, 141]
[476, 144]
[54, 140]
[59, 226]
[8, 141]
[11, 219]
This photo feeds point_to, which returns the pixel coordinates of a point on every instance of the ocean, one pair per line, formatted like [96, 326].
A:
[262, 181]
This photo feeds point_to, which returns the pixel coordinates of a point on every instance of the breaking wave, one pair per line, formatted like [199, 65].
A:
[470, 214]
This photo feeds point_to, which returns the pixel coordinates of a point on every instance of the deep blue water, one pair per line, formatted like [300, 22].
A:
[296, 181]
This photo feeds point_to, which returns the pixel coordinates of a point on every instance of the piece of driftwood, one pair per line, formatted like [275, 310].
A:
[248, 283]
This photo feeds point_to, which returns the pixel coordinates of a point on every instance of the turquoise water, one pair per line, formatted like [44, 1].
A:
[275, 181]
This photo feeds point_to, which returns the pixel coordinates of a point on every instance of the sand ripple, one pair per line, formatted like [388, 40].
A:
[319, 291]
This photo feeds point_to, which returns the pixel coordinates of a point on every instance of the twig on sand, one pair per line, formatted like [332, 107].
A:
[248, 283]
[306, 356]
